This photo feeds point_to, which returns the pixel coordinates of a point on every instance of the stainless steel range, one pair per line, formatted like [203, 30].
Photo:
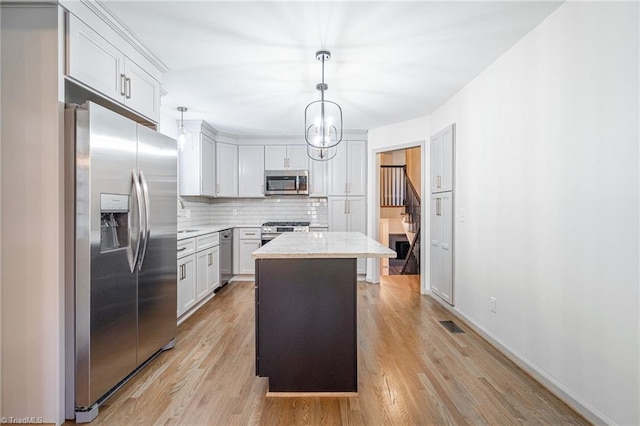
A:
[270, 230]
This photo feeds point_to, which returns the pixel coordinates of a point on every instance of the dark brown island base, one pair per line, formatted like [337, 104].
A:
[306, 313]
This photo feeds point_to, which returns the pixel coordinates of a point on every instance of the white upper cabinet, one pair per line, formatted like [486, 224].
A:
[251, 171]
[348, 169]
[441, 160]
[297, 156]
[141, 92]
[196, 166]
[97, 63]
[94, 61]
[227, 170]
[286, 157]
[317, 178]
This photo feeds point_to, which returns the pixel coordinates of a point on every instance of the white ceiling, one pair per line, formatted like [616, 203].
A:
[249, 68]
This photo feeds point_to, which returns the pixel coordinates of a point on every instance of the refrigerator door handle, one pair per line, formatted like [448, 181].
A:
[133, 255]
[147, 215]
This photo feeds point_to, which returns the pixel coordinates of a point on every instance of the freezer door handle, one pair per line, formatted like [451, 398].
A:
[134, 254]
[147, 215]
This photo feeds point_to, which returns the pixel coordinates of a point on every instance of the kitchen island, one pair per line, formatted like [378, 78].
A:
[306, 312]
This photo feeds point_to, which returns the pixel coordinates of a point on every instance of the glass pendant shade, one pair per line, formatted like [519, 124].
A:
[321, 154]
[322, 121]
[183, 135]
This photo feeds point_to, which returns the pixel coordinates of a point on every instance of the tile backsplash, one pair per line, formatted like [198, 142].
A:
[252, 211]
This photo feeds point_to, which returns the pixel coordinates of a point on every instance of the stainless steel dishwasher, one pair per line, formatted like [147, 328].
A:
[226, 256]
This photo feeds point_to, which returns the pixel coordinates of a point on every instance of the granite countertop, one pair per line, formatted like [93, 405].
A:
[322, 245]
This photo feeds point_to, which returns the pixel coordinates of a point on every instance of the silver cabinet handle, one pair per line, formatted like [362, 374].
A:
[438, 206]
[345, 206]
[345, 187]
[439, 181]
[182, 249]
[217, 188]
[128, 88]
[210, 259]
[249, 233]
[348, 187]
[123, 84]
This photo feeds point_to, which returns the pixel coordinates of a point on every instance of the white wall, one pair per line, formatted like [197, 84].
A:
[547, 161]
[32, 215]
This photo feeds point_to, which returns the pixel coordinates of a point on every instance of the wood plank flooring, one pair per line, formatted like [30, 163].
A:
[411, 371]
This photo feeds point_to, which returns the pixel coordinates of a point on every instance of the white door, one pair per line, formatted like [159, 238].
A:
[337, 168]
[227, 170]
[442, 160]
[207, 166]
[434, 246]
[186, 283]
[246, 264]
[213, 271]
[202, 275]
[446, 246]
[337, 214]
[251, 171]
[274, 157]
[317, 178]
[94, 61]
[297, 157]
[356, 167]
[357, 222]
[142, 92]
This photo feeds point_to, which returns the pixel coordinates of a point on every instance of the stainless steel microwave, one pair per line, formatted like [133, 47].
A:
[286, 182]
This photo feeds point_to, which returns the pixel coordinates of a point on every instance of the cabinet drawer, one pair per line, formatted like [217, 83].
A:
[207, 240]
[186, 247]
[249, 233]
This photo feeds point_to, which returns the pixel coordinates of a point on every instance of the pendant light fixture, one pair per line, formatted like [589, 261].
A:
[322, 121]
[183, 135]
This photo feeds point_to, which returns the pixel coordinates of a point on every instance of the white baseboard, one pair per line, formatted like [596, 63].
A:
[544, 379]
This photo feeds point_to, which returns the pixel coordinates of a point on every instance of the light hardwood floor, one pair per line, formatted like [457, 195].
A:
[411, 371]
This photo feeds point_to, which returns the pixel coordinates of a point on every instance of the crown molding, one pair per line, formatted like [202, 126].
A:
[104, 13]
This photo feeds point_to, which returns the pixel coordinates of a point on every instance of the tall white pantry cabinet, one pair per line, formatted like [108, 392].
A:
[441, 215]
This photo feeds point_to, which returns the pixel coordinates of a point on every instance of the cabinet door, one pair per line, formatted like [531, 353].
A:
[441, 245]
[337, 168]
[206, 166]
[442, 160]
[246, 264]
[142, 92]
[446, 246]
[356, 167]
[297, 158]
[337, 214]
[227, 170]
[186, 283]
[357, 222]
[251, 171]
[317, 178]
[202, 275]
[214, 268]
[94, 61]
[274, 157]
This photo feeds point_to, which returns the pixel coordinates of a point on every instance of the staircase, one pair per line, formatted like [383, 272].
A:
[396, 190]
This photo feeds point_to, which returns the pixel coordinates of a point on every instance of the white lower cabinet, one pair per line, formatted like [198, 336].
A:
[208, 278]
[441, 245]
[246, 241]
[349, 214]
[186, 283]
[198, 270]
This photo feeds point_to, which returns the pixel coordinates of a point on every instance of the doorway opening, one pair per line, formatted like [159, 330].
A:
[400, 209]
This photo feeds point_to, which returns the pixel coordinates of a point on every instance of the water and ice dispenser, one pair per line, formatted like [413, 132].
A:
[114, 221]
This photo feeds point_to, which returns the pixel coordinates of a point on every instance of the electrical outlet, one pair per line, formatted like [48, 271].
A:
[493, 305]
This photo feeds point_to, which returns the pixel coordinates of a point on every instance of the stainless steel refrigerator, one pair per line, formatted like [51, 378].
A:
[121, 182]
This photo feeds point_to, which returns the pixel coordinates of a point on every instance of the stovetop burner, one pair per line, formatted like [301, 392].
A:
[286, 224]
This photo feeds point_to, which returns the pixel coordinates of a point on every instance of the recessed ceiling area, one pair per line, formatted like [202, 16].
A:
[249, 68]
